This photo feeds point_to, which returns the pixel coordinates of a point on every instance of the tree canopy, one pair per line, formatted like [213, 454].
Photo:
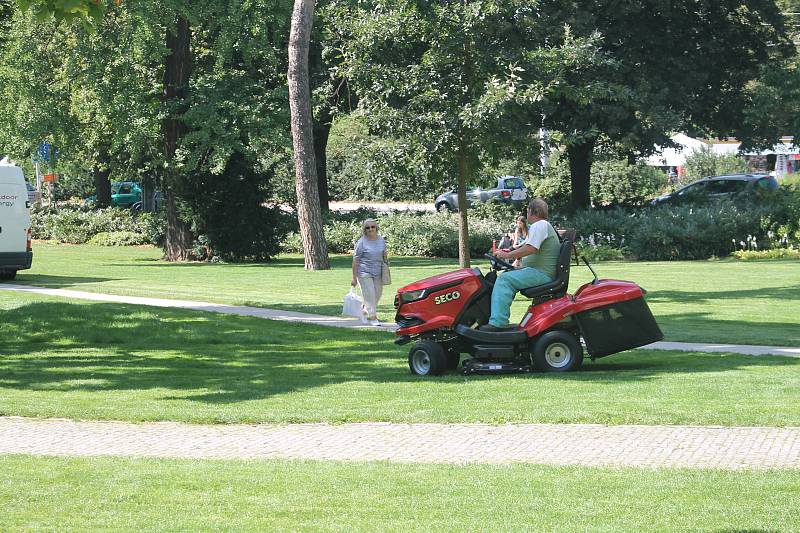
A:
[194, 96]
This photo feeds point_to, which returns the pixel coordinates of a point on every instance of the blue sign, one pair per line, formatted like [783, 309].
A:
[46, 152]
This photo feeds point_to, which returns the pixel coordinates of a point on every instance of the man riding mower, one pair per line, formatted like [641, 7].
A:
[466, 312]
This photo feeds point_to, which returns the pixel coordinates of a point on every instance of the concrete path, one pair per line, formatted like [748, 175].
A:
[243, 310]
[382, 207]
[322, 320]
[556, 444]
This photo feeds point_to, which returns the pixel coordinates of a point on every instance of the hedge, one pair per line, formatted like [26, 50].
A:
[118, 238]
[663, 232]
[76, 224]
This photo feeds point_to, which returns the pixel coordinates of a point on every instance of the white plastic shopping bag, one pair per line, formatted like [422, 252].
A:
[352, 304]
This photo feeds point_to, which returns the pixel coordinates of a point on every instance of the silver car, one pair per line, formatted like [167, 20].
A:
[509, 189]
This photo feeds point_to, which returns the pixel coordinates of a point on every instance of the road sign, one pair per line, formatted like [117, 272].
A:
[44, 151]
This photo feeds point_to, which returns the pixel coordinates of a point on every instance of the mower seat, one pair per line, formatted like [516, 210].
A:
[558, 287]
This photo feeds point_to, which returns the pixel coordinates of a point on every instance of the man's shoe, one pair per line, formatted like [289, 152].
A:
[489, 328]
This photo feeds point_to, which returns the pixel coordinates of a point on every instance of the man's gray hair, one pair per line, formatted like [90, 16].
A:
[538, 207]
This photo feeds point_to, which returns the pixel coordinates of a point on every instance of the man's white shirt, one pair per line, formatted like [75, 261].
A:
[537, 233]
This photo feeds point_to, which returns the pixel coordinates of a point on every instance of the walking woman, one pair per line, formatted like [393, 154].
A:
[368, 258]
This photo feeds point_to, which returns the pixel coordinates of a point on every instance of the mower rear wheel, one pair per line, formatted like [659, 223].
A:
[427, 358]
[557, 351]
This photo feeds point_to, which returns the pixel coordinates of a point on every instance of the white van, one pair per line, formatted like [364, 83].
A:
[15, 223]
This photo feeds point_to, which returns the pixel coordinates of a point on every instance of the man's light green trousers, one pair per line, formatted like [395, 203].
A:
[507, 286]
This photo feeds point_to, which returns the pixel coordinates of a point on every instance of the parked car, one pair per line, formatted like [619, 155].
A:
[123, 194]
[158, 200]
[34, 196]
[509, 189]
[720, 187]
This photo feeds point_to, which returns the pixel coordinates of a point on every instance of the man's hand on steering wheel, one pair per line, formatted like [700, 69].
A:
[499, 264]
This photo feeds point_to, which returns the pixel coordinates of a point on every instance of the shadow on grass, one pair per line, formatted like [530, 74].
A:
[703, 327]
[57, 282]
[49, 346]
[336, 261]
[768, 293]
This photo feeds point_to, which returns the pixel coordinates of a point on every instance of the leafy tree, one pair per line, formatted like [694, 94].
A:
[84, 11]
[176, 71]
[676, 66]
[775, 93]
[35, 93]
[433, 71]
[205, 92]
[373, 167]
[236, 129]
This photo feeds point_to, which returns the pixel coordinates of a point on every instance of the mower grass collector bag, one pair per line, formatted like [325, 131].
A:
[617, 327]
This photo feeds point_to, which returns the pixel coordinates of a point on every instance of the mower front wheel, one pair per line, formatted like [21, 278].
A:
[427, 358]
[557, 351]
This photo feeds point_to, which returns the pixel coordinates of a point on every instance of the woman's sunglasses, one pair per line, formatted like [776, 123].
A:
[372, 227]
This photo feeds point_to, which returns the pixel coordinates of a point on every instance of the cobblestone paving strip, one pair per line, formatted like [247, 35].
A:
[728, 448]
[341, 322]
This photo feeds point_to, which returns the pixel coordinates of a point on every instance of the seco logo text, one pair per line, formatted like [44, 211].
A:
[449, 297]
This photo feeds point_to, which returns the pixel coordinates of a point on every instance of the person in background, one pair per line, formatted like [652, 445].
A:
[368, 257]
[506, 242]
[520, 235]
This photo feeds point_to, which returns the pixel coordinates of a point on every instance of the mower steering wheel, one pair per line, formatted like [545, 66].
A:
[499, 264]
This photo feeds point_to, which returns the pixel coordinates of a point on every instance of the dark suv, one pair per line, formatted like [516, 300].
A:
[720, 187]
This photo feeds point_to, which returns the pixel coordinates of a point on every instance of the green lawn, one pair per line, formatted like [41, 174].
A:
[108, 361]
[60, 494]
[703, 301]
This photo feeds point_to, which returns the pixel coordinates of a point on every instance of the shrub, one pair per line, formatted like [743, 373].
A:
[413, 234]
[292, 244]
[705, 162]
[76, 224]
[695, 232]
[599, 253]
[602, 227]
[430, 235]
[554, 186]
[341, 236]
[663, 232]
[791, 181]
[151, 225]
[118, 238]
[616, 182]
[777, 253]
[498, 211]
[228, 211]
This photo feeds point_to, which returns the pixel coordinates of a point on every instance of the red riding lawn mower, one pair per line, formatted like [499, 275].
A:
[441, 315]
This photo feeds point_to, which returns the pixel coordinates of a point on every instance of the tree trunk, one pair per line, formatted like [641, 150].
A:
[179, 246]
[463, 226]
[309, 214]
[177, 70]
[322, 129]
[102, 186]
[580, 167]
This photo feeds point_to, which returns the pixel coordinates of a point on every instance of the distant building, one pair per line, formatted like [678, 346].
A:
[782, 159]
